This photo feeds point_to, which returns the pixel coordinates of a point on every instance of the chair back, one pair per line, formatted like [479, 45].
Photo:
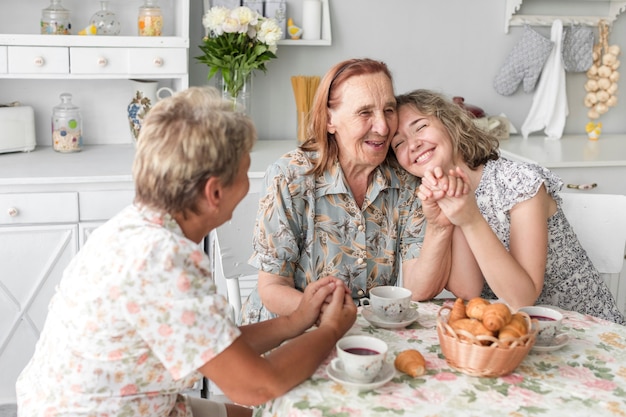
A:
[599, 221]
[233, 247]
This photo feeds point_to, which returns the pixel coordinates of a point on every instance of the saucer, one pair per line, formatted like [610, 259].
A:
[387, 372]
[371, 317]
[558, 342]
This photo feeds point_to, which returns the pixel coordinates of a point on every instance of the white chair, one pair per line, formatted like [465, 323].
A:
[233, 247]
[599, 221]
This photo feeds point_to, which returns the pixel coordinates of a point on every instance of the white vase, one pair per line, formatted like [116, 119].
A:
[145, 94]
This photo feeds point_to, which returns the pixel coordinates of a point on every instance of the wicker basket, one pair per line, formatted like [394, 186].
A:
[483, 356]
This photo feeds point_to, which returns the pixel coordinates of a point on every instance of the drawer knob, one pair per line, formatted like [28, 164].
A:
[12, 211]
[102, 62]
[158, 62]
[39, 61]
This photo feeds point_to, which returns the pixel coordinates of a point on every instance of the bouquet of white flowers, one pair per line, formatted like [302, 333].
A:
[237, 42]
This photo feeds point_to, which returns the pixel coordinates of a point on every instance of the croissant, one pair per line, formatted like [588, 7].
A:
[519, 320]
[458, 311]
[475, 307]
[515, 328]
[495, 316]
[475, 327]
[411, 362]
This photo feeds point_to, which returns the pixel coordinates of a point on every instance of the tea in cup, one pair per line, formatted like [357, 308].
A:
[550, 321]
[389, 303]
[360, 358]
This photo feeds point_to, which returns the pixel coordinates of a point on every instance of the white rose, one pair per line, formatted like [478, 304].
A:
[214, 18]
[246, 16]
[231, 25]
[270, 32]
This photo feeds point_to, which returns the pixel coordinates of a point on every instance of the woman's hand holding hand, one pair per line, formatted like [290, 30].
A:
[436, 186]
[455, 201]
[340, 312]
[321, 298]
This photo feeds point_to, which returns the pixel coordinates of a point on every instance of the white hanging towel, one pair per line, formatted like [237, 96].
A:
[549, 107]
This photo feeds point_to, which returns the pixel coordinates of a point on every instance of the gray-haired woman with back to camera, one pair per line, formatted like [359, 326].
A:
[136, 319]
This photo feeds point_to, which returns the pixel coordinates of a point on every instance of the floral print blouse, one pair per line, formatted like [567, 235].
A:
[133, 318]
[309, 227]
[571, 282]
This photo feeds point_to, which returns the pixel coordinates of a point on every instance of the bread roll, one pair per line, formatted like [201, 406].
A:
[458, 311]
[475, 307]
[411, 362]
[496, 316]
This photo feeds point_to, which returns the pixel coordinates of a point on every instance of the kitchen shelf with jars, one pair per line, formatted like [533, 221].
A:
[93, 50]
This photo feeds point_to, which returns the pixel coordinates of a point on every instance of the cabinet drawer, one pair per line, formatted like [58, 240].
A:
[38, 60]
[158, 61]
[99, 60]
[32, 208]
[102, 205]
[3, 60]
[609, 180]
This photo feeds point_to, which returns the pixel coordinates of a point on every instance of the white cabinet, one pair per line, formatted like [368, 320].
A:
[34, 251]
[35, 69]
[48, 208]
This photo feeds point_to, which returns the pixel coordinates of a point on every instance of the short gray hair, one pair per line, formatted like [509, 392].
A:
[186, 139]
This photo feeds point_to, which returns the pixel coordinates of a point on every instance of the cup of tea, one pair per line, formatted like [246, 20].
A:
[389, 303]
[550, 321]
[360, 358]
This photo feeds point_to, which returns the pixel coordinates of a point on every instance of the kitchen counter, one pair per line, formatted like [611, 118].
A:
[99, 165]
[569, 151]
[583, 165]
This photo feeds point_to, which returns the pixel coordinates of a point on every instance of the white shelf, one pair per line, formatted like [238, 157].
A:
[610, 8]
[35, 68]
[327, 38]
[95, 41]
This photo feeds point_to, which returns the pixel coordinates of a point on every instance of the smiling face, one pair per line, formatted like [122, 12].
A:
[422, 142]
[364, 120]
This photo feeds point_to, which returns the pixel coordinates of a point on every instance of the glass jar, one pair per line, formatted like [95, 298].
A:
[105, 21]
[55, 19]
[67, 127]
[150, 21]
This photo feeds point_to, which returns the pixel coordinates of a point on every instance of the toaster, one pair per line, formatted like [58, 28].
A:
[17, 129]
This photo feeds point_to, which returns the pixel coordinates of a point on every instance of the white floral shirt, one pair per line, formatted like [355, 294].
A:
[135, 315]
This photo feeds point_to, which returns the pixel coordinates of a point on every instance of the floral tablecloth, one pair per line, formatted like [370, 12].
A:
[587, 377]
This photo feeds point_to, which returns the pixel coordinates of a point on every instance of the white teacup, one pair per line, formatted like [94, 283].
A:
[360, 358]
[389, 303]
[550, 322]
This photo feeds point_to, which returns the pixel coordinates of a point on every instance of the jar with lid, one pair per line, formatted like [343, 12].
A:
[105, 21]
[55, 19]
[150, 20]
[67, 128]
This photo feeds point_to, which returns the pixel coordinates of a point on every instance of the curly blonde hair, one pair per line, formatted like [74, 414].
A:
[475, 145]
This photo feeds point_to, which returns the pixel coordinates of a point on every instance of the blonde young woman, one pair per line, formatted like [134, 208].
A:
[511, 239]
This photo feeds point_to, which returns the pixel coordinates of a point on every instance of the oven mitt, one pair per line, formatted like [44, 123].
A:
[577, 48]
[524, 63]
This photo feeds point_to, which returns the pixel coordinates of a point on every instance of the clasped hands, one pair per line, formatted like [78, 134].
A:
[447, 198]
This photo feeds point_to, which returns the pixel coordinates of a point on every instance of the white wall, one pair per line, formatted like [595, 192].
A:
[453, 46]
